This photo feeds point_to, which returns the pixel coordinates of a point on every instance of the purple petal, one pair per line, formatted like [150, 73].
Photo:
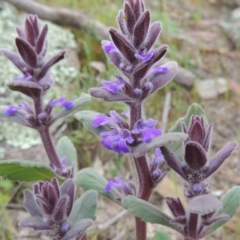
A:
[11, 110]
[144, 57]
[108, 46]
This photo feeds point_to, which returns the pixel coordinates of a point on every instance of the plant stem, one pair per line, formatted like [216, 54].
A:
[45, 136]
[49, 147]
[145, 183]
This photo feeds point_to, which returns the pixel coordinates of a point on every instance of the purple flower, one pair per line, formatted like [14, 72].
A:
[108, 46]
[117, 140]
[144, 57]
[26, 76]
[114, 86]
[157, 159]
[116, 183]
[61, 102]
[146, 129]
[103, 119]
[159, 69]
[11, 110]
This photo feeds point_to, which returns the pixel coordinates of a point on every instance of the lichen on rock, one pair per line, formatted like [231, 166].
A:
[63, 73]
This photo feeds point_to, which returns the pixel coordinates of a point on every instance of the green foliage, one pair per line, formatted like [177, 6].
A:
[162, 235]
[86, 117]
[162, 140]
[26, 171]
[88, 179]
[146, 211]
[84, 207]
[231, 204]
[65, 148]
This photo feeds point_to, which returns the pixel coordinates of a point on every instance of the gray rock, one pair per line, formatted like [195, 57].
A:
[63, 73]
[231, 27]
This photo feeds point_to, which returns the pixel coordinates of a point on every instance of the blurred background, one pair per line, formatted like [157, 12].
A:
[203, 37]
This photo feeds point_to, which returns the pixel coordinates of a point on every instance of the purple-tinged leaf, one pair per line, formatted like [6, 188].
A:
[31, 205]
[68, 188]
[59, 213]
[192, 227]
[29, 88]
[141, 29]
[41, 39]
[78, 229]
[14, 58]
[36, 24]
[172, 161]
[159, 80]
[153, 33]
[222, 217]
[36, 223]
[204, 204]
[175, 206]
[27, 52]
[30, 32]
[220, 157]
[129, 17]
[138, 8]
[123, 45]
[195, 155]
[206, 143]
[20, 32]
[143, 68]
[122, 22]
[53, 60]
[100, 92]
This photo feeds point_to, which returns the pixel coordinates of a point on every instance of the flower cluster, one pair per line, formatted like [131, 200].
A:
[120, 137]
[195, 170]
[131, 51]
[197, 167]
[36, 79]
[50, 206]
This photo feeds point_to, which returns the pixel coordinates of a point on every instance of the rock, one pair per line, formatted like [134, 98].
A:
[64, 73]
[231, 27]
[211, 88]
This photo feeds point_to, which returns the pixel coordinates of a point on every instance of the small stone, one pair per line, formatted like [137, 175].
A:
[211, 88]
[99, 66]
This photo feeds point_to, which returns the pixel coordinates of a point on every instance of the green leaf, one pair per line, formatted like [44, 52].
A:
[88, 179]
[231, 203]
[65, 148]
[162, 140]
[194, 109]
[86, 117]
[162, 235]
[27, 171]
[84, 98]
[146, 211]
[84, 207]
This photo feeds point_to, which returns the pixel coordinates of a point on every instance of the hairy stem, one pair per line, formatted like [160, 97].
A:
[49, 147]
[45, 136]
[145, 183]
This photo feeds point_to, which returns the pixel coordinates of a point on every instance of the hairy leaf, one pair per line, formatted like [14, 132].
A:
[146, 211]
[88, 179]
[26, 171]
[84, 207]
[231, 203]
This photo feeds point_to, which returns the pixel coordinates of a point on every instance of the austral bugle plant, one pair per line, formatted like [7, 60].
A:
[53, 205]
